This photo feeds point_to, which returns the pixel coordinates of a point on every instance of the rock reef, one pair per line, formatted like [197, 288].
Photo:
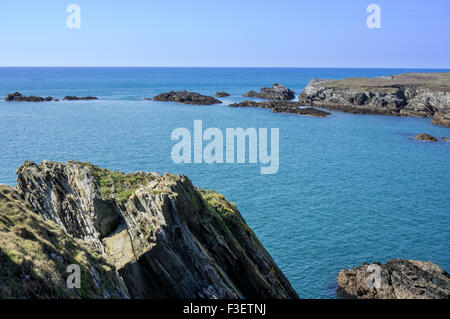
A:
[222, 94]
[397, 279]
[160, 236]
[76, 98]
[18, 97]
[186, 97]
[276, 92]
[410, 94]
[283, 107]
[425, 137]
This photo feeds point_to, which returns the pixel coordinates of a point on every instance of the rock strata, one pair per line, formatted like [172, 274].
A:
[18, 97]
[397, 279]
[276, 92]
[283, 107]
[186, 97]
[165, 237]
[410, 94]
[425, 137]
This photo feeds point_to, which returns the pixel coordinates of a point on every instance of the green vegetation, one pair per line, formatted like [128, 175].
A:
[35, 253]
[117, 184]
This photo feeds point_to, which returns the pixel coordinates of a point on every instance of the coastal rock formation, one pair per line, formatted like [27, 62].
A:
[445, 139]
[76, 98]
[35, 254]
[283, 107]
[186, 97]
[397, 279]
[18, 97]
[276, 92]
[425, 137]
[411, 94]
[165, 237]
[222, 94]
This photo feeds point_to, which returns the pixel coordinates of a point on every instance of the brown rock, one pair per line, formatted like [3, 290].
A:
[425, 137]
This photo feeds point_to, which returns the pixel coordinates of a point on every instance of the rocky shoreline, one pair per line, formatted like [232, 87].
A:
[409, 94]
[283, 107]
[138, 235]
[397, 279]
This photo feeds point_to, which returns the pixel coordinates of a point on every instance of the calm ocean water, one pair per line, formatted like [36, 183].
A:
[350, 188]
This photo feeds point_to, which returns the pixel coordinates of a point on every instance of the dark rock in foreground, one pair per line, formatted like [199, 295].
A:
[283, 107]
[186, 97]
[160, 236]
[276, 92]
[425, 137]
[76, 98]
[410, 94]
[222, 94]
[17, 97]
[397, 279]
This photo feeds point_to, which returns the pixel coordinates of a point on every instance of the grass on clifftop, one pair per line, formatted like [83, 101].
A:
[35, 253]
[117, 184]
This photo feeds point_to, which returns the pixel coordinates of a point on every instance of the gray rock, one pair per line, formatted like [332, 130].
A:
[76, 98]
[276, 92]
[222, 94]
[397, 279]
[283, 107]
[18, 97]
[186, 97]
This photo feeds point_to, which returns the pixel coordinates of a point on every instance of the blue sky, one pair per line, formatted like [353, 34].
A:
[244, 33]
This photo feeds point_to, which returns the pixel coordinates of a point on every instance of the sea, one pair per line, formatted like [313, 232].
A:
[349, 189]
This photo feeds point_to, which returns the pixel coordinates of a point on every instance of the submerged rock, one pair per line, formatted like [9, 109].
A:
[186, 97]
[222, 94]
[410, 94]
[18, 97]
[397, 279]
[283, 107]
[76, 98]
[276, 92]
[425, 137]
[166, 238]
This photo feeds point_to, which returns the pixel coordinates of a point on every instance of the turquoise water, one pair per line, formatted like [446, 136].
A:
[350, 188]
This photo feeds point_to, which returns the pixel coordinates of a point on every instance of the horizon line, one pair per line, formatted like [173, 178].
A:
[217, 67]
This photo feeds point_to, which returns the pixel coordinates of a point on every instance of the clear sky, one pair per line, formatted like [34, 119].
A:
[241, 33]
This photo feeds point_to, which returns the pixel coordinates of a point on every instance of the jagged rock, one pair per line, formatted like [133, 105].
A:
[425, 137]
[167, 238]
[18, 97]
[283, 107]
[410, 94]
[276, 92]
[76, 98]
[35, 254]
[222, 94]
[397, 279]
[186, 97]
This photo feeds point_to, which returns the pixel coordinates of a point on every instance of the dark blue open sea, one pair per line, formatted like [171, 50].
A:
[350, 188]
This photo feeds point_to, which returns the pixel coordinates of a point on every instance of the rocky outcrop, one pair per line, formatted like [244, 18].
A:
[276, 92]
[18, 97]
[283, 107]
[410, 94]
[35, 254]
[397, 279]
[425, 137]
[186, 97]
[445, 139]
[165, 237]
[76, 98]
[222, 94]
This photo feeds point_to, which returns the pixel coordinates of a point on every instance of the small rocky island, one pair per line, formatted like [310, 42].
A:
[425, 137]
[76, 98]
[222, 94]
[397, 279]
[283, 107]
[186, 97]
[276, 92]
[410, 94]
[18, 97]
[137, 235]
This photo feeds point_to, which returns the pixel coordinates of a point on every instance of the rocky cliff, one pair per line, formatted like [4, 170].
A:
[411, 94]
[161, 236]
[397, 279]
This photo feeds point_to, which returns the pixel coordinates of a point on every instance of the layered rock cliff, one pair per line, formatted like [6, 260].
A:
[411, 94]
[161, 236]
